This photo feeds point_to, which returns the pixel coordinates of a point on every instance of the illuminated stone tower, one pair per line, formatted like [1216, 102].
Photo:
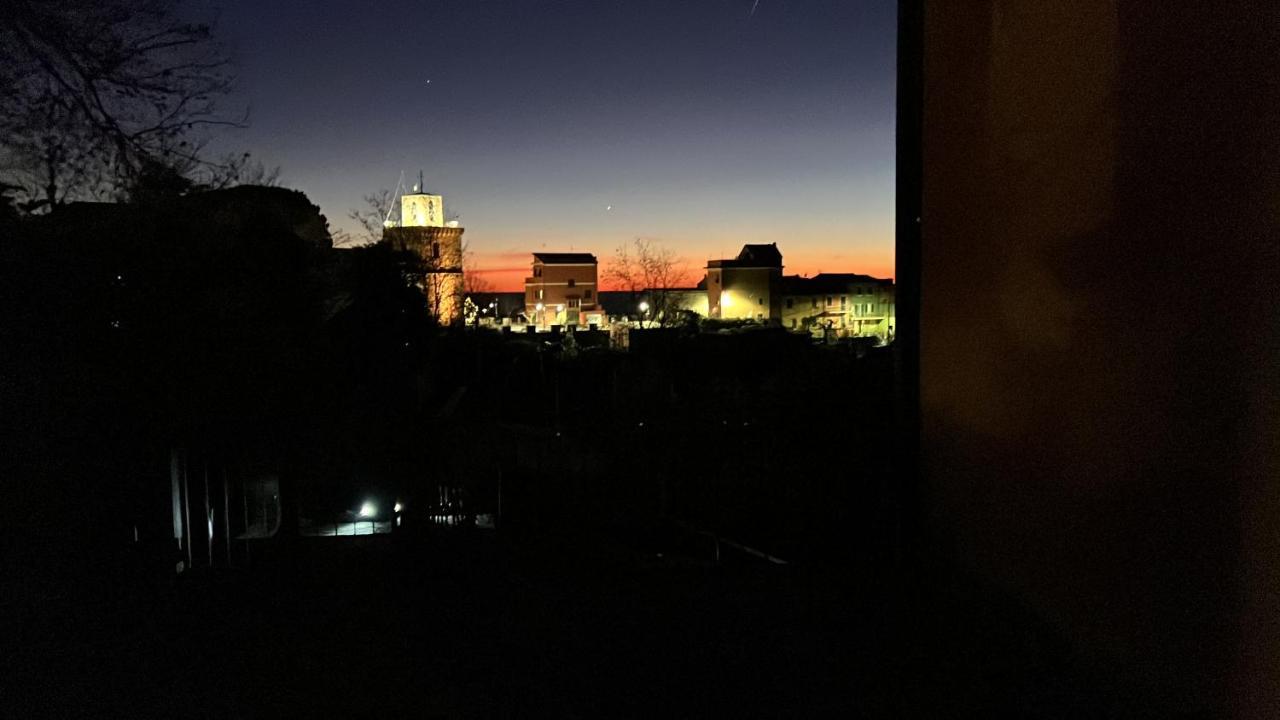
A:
[423, 230]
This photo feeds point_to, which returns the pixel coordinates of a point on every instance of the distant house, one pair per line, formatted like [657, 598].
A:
[563, 290]
[746, 287]
[852, 305]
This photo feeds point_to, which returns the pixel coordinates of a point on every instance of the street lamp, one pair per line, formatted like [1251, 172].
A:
[644, 310]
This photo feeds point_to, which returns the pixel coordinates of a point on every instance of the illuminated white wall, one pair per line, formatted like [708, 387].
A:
[422, 210]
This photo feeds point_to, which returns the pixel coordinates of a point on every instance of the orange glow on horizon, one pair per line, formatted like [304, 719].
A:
[497, 270]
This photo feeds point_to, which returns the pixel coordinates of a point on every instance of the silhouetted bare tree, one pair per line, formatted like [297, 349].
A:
[93, 93]
[379, 208]
[647, 266]
[472, 281]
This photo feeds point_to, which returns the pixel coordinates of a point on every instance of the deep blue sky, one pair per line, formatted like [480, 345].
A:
[702, 125]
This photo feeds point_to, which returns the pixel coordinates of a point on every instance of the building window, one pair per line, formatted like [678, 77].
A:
[573, 302]
[793, 322]
[760, 301]
[572, 282]
[789, 303]
[828, 301]
[815, 303]
[842, 301]
[435, 251]
[586, 294]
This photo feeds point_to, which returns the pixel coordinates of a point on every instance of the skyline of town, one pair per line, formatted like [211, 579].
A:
[704, 126]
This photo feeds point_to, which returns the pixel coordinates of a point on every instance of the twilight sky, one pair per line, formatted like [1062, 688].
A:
[703, 125]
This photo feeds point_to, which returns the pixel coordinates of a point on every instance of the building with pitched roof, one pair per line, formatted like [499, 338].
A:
[849, 304]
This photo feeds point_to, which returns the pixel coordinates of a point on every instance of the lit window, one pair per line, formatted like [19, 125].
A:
[539, 293]
[573, 302]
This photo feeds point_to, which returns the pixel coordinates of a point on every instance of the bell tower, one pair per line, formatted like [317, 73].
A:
[423, 231]
[420, 208]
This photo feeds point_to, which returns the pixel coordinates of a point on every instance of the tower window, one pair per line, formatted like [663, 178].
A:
[435, 251]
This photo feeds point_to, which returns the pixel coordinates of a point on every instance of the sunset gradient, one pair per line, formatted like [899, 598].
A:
[570, 125]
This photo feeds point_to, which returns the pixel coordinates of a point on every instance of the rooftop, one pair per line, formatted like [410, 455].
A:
[828, 283]
[564, 258]
[753, 256]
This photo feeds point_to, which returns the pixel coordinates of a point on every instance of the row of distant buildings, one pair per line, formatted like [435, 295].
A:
[563, 289]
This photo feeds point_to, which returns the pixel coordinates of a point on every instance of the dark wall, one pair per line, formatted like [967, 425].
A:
[1099, 350]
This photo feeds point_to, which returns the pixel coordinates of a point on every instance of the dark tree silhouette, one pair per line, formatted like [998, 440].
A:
[94, 93]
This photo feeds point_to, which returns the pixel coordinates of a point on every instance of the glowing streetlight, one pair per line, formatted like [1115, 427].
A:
[644, 306]
[368, 510]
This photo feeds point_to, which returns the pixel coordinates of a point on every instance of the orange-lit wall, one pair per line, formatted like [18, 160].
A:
[550, 287]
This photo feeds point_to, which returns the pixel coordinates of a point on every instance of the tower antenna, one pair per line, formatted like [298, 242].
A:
[422, 186]
[391, 207]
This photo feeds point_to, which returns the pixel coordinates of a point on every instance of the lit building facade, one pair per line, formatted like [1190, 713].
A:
[851, 305]
[562, 290]
[746, 287]
[752, 287]
[424, 231]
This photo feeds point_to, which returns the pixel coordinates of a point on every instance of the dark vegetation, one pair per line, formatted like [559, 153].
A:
[225, 324]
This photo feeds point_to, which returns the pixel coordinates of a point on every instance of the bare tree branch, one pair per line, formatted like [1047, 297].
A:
[95, 92]
[379, 207]
[647, 266]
